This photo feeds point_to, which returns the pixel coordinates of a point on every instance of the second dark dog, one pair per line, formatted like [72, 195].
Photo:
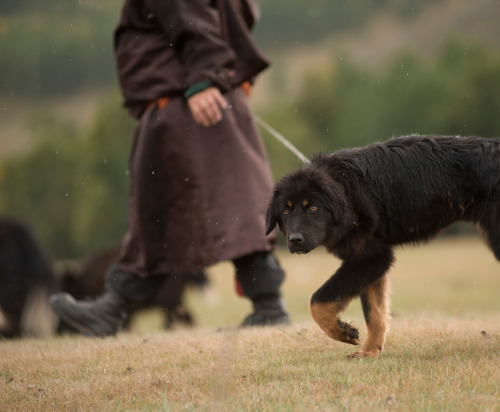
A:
[26, 282]
[361, 203]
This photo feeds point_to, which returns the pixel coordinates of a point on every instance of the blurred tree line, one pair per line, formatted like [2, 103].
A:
[53, 47]
[290, 22]
[348, 105]
[73, 186]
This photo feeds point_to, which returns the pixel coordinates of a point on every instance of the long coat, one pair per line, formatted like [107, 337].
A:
[198, 195]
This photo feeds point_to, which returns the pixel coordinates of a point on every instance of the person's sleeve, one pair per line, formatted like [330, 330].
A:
[194, 30]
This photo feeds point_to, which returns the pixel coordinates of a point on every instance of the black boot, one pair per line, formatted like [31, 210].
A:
[268, 311]
[101, 317]
[260, 276]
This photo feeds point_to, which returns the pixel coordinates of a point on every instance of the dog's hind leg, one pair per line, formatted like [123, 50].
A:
[376, 302]
[490, 228]
[350, 280]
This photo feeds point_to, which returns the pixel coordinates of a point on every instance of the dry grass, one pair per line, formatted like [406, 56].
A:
[436, 357]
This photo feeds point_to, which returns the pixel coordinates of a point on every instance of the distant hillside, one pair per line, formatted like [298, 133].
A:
[373, 45]
[381, 39]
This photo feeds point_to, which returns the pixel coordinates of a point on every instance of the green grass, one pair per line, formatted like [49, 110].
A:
[442, 352]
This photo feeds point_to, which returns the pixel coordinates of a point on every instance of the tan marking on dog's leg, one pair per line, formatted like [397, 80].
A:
[326, 316]
[378, 297]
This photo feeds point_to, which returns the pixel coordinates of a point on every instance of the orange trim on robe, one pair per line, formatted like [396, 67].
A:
[247, 88]
[161, 102]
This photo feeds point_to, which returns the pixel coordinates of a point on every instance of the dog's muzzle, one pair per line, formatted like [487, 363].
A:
[297, 244]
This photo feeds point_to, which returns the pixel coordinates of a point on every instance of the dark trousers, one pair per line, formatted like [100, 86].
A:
[259, 274]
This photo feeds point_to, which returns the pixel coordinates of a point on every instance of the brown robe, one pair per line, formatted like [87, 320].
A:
[198, 195]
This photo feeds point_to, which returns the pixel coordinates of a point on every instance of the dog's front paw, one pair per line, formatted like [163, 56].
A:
[326, 316]
[347, 333]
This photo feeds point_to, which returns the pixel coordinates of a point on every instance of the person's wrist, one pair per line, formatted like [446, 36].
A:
[197, 88]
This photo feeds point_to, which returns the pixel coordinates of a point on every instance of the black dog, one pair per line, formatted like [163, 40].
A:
[26, 282]
[361, 203]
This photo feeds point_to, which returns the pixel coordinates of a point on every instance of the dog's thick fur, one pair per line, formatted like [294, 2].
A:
[361, 203]
[26, 282]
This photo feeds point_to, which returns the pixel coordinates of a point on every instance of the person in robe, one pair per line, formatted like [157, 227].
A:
[200, 174]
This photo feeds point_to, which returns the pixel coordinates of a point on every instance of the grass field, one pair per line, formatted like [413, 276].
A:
[442, 353]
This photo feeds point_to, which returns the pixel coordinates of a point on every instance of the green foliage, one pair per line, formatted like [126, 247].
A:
[52, 47]
[73, 187]
[102, 213]
[293, 128]
[13, 6]
[290, 22]
[458, 95]
[38, 188]
[300, 21]
[55, 50]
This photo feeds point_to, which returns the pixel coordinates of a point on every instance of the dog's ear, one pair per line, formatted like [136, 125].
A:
[340, 207]
[272, 214]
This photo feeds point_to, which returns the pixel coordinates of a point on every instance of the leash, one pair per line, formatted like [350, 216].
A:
[281, 139]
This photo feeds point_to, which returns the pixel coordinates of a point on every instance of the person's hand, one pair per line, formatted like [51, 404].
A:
[207, 105]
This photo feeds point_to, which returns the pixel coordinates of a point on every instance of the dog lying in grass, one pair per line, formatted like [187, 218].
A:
[361, 203]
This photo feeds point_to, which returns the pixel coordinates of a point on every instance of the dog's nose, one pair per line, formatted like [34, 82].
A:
[296, 238]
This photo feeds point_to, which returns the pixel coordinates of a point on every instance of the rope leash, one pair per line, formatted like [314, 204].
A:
[281, 139]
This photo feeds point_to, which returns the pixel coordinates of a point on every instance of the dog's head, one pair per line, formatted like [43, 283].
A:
[310, 208]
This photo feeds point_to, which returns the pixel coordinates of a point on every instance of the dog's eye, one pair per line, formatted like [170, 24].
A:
[313, 209]
[286, 212]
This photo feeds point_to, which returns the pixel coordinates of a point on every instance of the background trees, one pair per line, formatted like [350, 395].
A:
[71, 185]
